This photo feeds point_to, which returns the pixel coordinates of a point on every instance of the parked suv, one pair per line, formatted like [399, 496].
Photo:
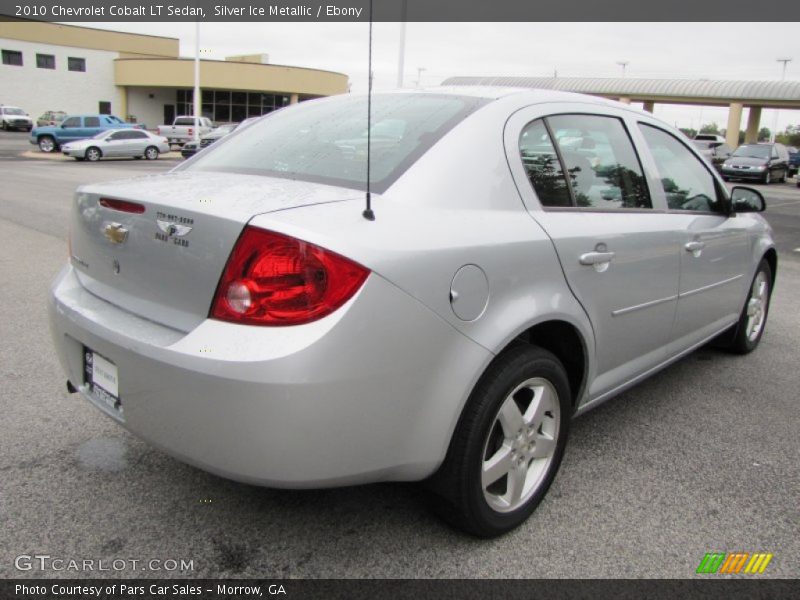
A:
[75, 127]
[13, 117]
[764, 162]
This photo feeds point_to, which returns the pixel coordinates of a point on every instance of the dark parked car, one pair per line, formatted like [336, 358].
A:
[794, 160]
[716, 152]
[765, 162]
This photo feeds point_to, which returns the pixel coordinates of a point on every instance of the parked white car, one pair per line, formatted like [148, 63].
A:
[117, 143]
[13, 117]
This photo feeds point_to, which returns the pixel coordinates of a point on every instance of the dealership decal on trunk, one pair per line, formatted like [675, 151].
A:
[174, 228]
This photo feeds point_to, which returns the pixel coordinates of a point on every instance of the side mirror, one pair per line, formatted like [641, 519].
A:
[745, 199]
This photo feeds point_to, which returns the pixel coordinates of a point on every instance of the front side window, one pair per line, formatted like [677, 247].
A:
[71, 122]
[45, 61]
[119, 135]
[687, 183]
[598, 155]
[76, 64]
[12, 58]
[542, 166]
[92, 122]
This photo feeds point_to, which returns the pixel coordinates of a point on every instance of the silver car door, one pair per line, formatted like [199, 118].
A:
[113, 144]
[588, 191]
[713, 246]
[138, 141]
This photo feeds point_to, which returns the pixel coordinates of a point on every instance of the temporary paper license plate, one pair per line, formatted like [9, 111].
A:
[102, 377]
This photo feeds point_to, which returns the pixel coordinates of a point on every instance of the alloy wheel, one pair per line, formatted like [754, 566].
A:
[520, 445]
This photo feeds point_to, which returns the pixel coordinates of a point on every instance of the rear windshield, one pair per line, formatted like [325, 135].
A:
[184, 121]
[326, 141]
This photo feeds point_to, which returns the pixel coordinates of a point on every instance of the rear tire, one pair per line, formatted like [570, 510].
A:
[93, 154]
[151, 153]
[753, 319]
[508, 444]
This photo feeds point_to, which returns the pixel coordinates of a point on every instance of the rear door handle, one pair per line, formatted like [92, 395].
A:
[596, 258]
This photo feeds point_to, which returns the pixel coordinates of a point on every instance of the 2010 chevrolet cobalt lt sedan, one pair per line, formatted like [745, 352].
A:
[532, 254]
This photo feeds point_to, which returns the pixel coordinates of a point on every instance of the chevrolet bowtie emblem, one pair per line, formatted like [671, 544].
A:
[115, 233]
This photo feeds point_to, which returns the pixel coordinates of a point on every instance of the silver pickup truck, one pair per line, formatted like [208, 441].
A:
[182, 129]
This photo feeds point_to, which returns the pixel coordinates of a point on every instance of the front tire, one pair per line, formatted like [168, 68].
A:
[151, 153]
[47, 144]
[93, 154]
[508, 444]
[767, 178]
[753, 319]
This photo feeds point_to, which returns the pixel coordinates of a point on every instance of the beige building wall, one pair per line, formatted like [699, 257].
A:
[229, 76]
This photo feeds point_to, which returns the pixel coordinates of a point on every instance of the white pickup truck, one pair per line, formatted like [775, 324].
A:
[182, 129]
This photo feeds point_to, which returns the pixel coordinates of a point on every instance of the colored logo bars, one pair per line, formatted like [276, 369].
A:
[734, 562]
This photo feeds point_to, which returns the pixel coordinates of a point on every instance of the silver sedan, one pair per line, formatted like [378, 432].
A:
[118, 143]
[528, 255]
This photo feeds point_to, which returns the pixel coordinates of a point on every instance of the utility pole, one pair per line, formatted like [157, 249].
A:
[777, 111]
[624, 64]
[196, 97]
[401, 59]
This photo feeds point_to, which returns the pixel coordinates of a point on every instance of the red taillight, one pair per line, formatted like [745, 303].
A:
[122, 205]
[274, 279]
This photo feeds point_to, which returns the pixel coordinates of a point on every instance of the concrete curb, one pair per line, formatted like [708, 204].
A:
[57, 156]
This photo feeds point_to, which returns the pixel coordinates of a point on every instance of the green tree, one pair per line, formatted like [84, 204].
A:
[763, 134]
[710, 128]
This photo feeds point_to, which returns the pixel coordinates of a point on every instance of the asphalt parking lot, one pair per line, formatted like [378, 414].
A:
[702, 457]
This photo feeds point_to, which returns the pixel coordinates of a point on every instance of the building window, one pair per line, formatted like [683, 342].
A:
[12, 57]
[45, 61]
[104, 108]
[76, 64]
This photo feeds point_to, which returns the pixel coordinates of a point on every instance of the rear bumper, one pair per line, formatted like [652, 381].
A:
[370, 393]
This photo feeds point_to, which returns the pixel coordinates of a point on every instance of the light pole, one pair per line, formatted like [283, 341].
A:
[777, 111]
[624, 64]
[402, 53]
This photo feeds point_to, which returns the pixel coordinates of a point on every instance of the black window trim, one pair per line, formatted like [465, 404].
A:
[39, 56]
[590, 209]
[720, 189]
[6, 52]
[82, 63]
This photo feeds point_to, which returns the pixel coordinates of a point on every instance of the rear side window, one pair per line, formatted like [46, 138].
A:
[603, 168]
[583, 161]
[542, 166]
[687, 183]
[326, 141]
[91, 122]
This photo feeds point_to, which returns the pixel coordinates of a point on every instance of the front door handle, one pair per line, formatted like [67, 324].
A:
[596, 258]
[695, 247]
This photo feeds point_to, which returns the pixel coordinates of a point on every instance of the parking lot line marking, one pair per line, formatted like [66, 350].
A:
[783, 204]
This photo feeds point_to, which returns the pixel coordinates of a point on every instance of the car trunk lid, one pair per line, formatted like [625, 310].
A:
[161, 257]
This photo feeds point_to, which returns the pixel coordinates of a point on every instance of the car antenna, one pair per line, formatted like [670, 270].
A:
[368, 213]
